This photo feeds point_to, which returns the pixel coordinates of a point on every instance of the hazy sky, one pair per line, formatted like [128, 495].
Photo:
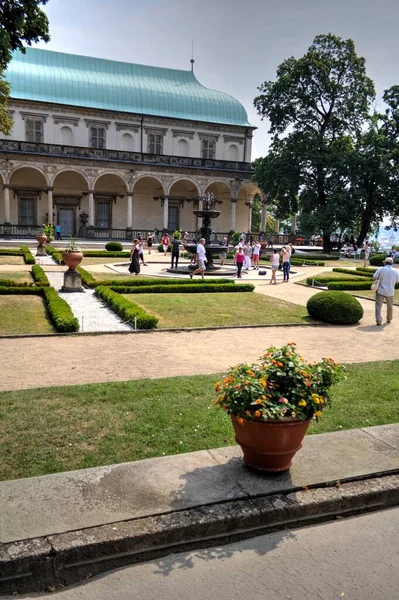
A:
[238, 44]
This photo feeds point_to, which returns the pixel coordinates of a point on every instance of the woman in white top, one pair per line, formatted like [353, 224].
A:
[275, 260]
[367, 251]
[255, 254]
[285, 257]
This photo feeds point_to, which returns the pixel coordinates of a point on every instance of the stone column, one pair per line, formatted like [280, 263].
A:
[91, 208]
[129, 210]
[249, 204]
[165, 212]
[263, 216]
[6, 189]
[50, 205]
[248, 148]
[233, 214]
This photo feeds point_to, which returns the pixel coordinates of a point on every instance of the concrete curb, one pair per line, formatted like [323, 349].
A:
[58, 560]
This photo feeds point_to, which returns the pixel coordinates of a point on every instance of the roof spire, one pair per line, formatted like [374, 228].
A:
[192, 61]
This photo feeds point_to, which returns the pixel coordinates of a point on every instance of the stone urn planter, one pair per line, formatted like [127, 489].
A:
[270, 445]
[41, 250]
[72, 259]
[271, 404]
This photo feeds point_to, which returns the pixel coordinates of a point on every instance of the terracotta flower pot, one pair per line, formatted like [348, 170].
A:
[270, 445]
[41, 238]
[72, 259]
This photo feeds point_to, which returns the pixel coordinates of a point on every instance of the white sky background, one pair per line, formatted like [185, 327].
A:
[238, 44]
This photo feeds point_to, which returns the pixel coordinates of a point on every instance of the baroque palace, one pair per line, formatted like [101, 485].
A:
[109, 149]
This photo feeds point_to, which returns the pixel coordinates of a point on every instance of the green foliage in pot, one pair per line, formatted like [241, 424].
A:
[282, 385]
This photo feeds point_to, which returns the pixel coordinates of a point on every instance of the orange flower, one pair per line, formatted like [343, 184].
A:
[280, 364]
[240, 421]
[217, 386]
[257, 413]
[258, 401]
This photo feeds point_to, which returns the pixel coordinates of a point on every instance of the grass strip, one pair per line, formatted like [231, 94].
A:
[357, 273]
[57, 429]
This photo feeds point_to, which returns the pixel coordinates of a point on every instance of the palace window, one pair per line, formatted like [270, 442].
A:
[127, 142]
[27, 209]
[66, 136]
[103, 215]
[155, 143]
[208, 148]
[232, 153]
[97, 137]
[34, 130]
[182, 148]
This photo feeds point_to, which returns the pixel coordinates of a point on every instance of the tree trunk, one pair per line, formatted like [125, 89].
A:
[326, 242]
[366, 219]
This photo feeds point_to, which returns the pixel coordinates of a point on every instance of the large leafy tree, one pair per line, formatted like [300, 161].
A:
[21, 22]
[316, 102]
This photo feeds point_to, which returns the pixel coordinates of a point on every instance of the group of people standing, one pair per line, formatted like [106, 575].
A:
[281, 260]
[244, 253]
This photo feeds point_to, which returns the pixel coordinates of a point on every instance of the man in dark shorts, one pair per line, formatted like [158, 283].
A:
[175, 252]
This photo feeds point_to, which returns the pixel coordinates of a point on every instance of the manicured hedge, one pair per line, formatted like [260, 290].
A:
[299, 262]
[325, 278]
[114, 247]
[353, 273]
[40, 276]
[106, 254]
[353, 285]
[335, 307]
[126, 309]
[55, 254]
[377, 259]
[11, 288]
[59, 311]
[370, 270]
[10, 252]
[89, 281]
[28, 256]
[185, 289]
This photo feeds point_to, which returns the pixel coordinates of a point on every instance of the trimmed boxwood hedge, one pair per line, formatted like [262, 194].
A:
[353, 285]
[114, 247]
[28, 290]
[10, 252]
[351, 272]
[369, 270]
[89, 281]
[40, 276]
[377, 259]
[184, 289]
[59, 311]
[335, 307]
[126, 309]
[28, 256]
[55, 254]
[325, 278]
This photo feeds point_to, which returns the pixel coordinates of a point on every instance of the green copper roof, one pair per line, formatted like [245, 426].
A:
[75, 80]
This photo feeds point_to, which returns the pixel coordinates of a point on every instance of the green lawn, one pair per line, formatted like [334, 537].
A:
[57, 429]
[18, 276]
[98, 260]
[218, 310]
[23, 315]
[12, 260]
[370, 294]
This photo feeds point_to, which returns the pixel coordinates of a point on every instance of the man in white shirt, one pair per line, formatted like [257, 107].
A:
[387, 277]
[201, 258]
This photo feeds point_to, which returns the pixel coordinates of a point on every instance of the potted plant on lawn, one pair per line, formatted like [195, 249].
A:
[271, 404]
[72, 255]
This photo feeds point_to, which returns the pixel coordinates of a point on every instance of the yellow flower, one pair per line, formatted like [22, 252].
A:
[318, 413]
[302, 403]
[257, 413]
[258, 401]
[262, 382]
[251, 373]
[263, 397]
[217, 386]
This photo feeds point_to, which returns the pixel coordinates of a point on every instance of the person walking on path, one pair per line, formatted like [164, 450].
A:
[275, 260]
[225, 243]
[387, 278]
[134, 266]
[240, 258]
[165, 243]
[285, 258]
[367, 251]
[201, 258]
[141, 252]
[248, 255]
[58, 231]
[255, 254]
[149, 242]
[175, 252]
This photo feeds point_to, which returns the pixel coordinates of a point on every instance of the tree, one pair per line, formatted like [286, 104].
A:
[21, 22]
[316, 102]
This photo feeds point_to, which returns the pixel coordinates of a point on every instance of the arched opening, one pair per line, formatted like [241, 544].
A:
[127, 142]
[66, 136]
[183, 197]
[110, 203]
[232, 153]
[249, 213]
[28, 204]
[222, 193]
[182, 148]
[147, 213]
[70, 200]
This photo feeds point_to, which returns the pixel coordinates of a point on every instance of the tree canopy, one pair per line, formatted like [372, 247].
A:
[330, 155]
[21, 22]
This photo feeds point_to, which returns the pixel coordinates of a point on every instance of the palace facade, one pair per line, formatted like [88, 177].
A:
[109, 149]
